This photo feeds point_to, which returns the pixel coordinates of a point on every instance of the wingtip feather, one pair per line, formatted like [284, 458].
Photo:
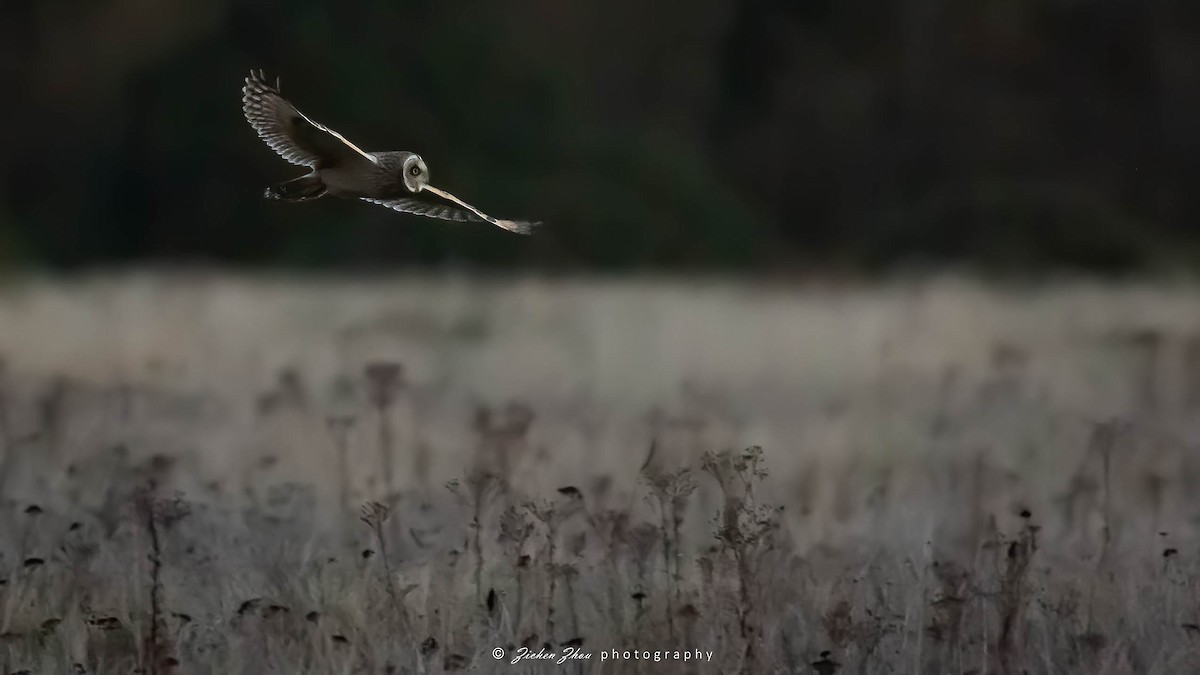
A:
[257, 83]
[521, 227]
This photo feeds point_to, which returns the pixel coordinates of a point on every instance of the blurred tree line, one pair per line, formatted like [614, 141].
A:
[766, 133]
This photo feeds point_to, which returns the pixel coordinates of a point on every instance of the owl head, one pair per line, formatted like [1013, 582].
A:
[415, 174]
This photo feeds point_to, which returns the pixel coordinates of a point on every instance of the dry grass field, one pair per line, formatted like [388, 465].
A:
[211, 474]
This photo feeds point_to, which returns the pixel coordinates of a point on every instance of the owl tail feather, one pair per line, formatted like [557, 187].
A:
[299, 189]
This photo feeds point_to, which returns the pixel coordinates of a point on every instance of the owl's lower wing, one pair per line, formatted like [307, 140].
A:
[289, 132]
[421, 206]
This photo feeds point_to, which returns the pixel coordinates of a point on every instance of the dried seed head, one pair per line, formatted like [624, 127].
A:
[374, 514]
[105, 622]
[515, 527]
[248, 606]
[171, 511]
[518, 418]
[385, 380]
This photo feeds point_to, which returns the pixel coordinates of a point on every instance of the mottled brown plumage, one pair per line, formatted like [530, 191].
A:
[398, 180]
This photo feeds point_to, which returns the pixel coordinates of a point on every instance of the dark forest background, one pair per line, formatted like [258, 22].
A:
[768, 134]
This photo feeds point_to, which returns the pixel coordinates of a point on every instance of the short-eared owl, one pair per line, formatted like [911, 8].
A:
[398, 180]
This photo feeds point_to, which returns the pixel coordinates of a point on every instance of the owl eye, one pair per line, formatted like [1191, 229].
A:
[416, 171]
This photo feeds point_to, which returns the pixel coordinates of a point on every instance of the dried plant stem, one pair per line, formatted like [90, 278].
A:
[639, 616]
[668, 553]
[615, 605]
[481, 490]
[746, 615]
[374, 515]
[386, 455]
[477, 544]
[5, 440]
[571, 606]
[1102, 442]
[340, 430]
[388, 585]
[983, 663]
[923, 595]
[385, 380]
[155, 588]
[552, 544]
[1106, 460]
[744, 531]
[520, 597]
[157, 649]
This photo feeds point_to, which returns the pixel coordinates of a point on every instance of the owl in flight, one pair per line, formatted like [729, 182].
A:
[398, 180]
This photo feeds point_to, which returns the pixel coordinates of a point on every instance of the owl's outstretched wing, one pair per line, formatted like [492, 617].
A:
[289, 132]
[427, 208]
[422, 205]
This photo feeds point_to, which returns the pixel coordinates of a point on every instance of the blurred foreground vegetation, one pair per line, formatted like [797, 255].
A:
[222, 475]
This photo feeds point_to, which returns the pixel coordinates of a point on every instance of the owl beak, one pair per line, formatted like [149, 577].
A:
[506, 224]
